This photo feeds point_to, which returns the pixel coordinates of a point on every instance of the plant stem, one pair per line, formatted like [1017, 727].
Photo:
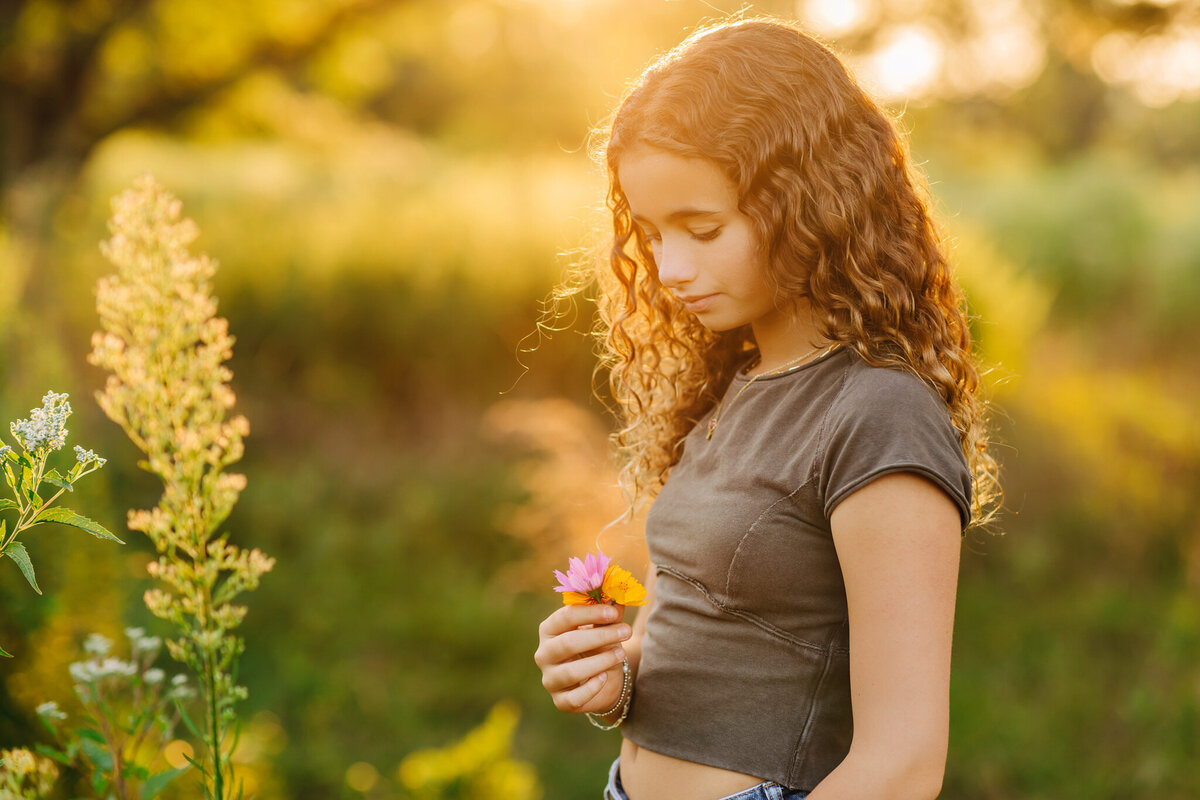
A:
[210, 669]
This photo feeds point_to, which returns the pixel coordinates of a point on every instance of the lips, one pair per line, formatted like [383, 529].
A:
[696, 303]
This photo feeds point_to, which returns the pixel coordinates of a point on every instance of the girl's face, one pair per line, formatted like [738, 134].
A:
[705, 249]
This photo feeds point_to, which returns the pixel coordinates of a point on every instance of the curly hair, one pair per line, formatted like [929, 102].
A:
[841, 216]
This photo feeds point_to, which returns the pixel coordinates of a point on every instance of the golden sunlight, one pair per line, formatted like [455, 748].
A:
[906, 64]
[1157, 69]
[833, 17]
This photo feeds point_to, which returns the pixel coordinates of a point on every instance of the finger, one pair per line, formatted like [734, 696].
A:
[578, 698]
[580, 642]
[563, 677]
[571, 617]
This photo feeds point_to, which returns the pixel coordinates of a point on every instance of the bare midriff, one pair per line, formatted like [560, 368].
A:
[647, 775]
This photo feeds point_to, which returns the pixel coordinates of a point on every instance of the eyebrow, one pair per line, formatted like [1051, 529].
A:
[683, 213]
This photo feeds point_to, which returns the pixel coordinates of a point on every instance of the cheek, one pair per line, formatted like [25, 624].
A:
[751, 268]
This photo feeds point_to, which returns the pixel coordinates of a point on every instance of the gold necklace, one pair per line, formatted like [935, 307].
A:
[795, 362]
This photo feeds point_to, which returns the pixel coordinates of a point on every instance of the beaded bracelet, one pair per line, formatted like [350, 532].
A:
[622, 703]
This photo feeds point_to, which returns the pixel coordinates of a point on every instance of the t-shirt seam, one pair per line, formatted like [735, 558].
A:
[801, 750]
[749, 616]
[823, 432]
[745, 536]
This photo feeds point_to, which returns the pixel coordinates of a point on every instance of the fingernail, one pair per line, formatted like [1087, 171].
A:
[624, 631]
[609, 614]
[603, 678]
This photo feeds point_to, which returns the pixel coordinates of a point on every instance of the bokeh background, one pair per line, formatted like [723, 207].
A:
[393, 187]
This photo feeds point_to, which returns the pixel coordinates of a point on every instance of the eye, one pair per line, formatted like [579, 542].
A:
[706, 236]
[651, 237]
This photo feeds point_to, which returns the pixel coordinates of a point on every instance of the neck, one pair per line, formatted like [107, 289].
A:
[786, 335]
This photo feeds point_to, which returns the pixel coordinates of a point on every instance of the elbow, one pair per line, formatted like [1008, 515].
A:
[920, 776]
[901, 772]
[925, 781]
[920, 770]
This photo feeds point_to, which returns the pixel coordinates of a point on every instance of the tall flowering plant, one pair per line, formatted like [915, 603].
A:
[26, 472]
[166, 349]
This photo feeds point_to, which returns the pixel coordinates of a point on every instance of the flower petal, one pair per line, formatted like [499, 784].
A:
[622, 588]
[577, 599]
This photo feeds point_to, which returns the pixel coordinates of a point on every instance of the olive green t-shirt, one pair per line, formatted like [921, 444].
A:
[745, 659]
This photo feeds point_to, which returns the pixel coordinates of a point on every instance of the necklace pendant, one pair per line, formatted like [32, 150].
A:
[712, 426]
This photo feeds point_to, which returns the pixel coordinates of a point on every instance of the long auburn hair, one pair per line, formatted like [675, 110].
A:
[841, 215]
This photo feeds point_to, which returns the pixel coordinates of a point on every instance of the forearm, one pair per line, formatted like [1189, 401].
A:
[899, 776]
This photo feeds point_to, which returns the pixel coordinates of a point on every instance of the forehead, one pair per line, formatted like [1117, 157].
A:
[658, 184]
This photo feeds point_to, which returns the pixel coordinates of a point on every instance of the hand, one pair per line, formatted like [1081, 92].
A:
[580, 654]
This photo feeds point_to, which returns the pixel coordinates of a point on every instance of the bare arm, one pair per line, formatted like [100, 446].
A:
[898, 541]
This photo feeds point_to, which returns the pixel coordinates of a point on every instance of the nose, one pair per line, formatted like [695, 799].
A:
[675, 267]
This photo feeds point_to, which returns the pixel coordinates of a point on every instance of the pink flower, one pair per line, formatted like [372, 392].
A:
[584, 576]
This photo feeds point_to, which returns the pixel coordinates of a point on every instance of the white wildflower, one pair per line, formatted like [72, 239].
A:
[50, 710]
[181, 691]
[46, 427]
[97, 644]
[82, 671]
[154, 676]
[146, 645]
[88, 456]
[115, 666]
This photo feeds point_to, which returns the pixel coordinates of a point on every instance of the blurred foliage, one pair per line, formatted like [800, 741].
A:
[478, 767]
[392, 188]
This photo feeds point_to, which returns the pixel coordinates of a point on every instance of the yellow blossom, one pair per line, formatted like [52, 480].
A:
[624, 589]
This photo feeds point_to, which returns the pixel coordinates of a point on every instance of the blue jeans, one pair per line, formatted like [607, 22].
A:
[767, 790]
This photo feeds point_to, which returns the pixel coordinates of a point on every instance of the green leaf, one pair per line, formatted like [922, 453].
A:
[5, 503]
[136, 771]
[157, 783]
[99, 782]
[16, 551]
[187, 720]
[6, 654]
[200, 767]
[98, 755]
[89, 734]
[54, 479]
[50, 752]
[66, 516]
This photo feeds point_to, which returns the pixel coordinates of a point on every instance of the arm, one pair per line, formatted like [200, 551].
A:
[898, 542]
[580, 652]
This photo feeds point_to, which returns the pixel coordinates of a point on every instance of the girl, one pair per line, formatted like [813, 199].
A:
[788, 345]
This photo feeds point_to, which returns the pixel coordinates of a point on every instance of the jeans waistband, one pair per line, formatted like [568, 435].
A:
[766, 790]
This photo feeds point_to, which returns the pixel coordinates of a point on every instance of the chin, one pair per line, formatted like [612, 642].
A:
[718, 324]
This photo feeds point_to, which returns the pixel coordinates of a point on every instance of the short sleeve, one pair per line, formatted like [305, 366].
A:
[886, 421]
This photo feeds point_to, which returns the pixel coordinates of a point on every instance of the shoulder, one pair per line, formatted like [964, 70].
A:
[875, 393]
[886, 420]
